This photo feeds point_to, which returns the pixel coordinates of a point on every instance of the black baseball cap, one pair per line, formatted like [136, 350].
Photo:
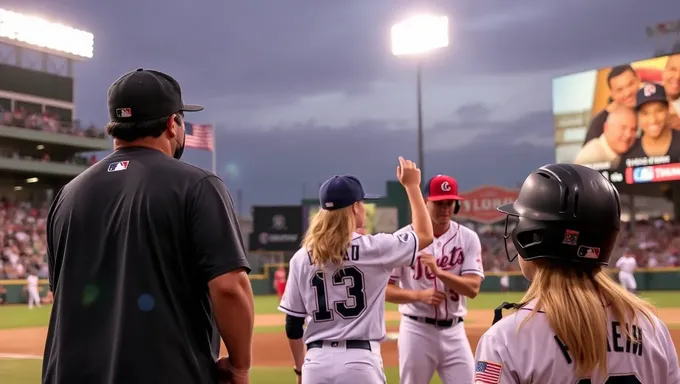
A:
[650, 92]
[341, 191]
[146, 94]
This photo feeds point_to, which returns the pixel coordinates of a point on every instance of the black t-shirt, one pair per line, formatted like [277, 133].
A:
[132, 244]
[596, 127]
[636, 151]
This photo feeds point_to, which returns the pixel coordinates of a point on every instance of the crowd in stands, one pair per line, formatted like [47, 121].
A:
[47, 122]
[23, 243]
[655, 243]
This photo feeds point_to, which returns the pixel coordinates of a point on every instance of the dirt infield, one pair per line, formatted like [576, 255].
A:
[271, 349]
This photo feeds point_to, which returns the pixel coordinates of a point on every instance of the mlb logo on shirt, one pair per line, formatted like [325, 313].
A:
[118, 166]
[124, 112]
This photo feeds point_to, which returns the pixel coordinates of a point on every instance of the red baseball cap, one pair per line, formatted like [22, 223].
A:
[441, 187]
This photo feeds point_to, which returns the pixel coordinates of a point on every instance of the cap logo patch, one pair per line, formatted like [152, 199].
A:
[329, 204]
[649, 90]
[446, 186]
[123, 112]
[570, 237]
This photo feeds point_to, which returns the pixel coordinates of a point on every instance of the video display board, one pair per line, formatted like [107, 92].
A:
[622, 120]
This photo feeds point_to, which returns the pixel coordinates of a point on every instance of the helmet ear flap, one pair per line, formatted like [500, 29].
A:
[456, 207]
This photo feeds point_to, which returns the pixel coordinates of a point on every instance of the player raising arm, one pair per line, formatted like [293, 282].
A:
[574, 324]
[432, 294]
[337, 283]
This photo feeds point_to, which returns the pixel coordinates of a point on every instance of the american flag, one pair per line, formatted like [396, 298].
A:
[487, 373]
[199, 136]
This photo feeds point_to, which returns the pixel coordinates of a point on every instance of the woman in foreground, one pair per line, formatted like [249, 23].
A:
[574, 324]
[337, 283]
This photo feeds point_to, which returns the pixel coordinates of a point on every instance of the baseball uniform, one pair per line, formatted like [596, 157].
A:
[432, 338]
[534, 354]
[33, 291]
[627, 265]
[344, 307]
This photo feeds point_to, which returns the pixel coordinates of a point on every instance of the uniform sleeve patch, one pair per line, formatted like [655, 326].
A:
[487, 372]
[403, 237]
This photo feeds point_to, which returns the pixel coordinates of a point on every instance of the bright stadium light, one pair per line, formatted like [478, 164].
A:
[416, 36]
[420, 34]
[45, 35]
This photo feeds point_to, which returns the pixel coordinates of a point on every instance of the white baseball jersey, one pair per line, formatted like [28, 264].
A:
[347, 302]
[626, 264]
[534, 354]
[457, 251]
[32, 281]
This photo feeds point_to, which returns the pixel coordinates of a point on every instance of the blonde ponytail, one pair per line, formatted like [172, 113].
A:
[329, 235]
[577, 303]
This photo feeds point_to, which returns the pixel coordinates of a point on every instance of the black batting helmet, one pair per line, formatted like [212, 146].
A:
[567, 212]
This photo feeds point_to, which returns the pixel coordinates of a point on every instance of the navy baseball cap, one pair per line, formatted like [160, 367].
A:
[341, 191]
[146, 94]
[650, 92]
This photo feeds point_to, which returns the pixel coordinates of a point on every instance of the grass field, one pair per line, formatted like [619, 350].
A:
[19, 371]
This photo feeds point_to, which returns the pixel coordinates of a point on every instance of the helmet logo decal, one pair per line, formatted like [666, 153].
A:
[446, 186]
[588, 252]
[570, 237]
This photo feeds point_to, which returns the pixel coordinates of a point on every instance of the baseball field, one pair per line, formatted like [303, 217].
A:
[22, 336]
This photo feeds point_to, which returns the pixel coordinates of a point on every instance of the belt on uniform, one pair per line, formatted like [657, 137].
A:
[438, 323]
[349, 344]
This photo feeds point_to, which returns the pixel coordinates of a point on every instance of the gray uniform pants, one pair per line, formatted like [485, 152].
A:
[334, 363]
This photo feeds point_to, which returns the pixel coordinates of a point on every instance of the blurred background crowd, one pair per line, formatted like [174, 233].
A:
[23, 241]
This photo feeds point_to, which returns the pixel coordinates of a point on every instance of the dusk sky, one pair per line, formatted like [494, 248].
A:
[301, 90]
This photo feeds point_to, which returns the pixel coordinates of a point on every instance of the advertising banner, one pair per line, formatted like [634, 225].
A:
[276, 228]
[479, 205]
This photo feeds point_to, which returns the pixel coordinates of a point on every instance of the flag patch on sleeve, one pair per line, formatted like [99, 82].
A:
[118, 166]
[487, 372]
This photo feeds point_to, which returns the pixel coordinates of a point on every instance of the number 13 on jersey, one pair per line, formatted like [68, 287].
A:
[353, 280]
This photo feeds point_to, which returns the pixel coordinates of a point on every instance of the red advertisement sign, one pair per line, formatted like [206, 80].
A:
[480, 203]
[653, 173]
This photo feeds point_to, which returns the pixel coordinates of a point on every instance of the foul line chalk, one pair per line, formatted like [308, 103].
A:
[19, 356]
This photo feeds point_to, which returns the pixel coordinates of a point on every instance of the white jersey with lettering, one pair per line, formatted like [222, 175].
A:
[627, 265]
[443, 347]
[458, 251]
[344, 307]
[535, 355]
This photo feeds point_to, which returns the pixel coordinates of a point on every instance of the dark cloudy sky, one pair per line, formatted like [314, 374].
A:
[304, 89]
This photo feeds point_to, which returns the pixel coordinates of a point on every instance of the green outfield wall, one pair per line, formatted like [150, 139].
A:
[657, 279]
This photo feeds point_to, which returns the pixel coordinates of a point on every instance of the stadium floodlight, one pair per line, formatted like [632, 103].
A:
[416, 36]
[43, 35]
[420, 34]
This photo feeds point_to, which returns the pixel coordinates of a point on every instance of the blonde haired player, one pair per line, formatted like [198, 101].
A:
[431, 294]
[575, 325]
[337, 283]
[627, 265]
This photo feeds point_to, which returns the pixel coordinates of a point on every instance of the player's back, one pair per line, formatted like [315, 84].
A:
[347, 302]
[536, 355]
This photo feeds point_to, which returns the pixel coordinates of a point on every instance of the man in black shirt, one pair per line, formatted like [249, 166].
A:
[623, 82]
[146, 258]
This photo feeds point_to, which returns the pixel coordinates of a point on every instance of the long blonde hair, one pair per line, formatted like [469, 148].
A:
[329, 235]
[576, 301]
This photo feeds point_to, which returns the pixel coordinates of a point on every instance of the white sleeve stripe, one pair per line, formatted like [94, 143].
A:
[473, 272]
[470, 270]
[291, 312]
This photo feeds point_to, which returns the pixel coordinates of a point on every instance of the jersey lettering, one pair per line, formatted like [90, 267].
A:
[615, 379]
[445, 263]
[629, 346]
[353, 279]
[353, 255]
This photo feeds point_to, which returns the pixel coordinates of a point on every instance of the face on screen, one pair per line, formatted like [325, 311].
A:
[620, 131]
[652, 118]
[671, 77]
[623, 88]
